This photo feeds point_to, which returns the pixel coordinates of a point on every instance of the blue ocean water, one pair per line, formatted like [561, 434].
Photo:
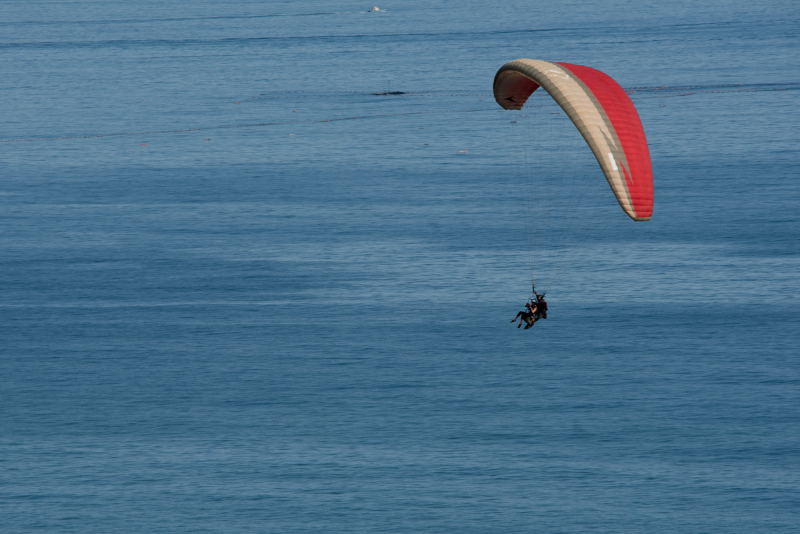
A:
[268, 319]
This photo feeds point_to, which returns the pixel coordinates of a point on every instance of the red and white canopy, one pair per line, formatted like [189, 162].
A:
[602, 112]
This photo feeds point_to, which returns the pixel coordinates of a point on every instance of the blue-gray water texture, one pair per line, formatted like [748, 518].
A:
[263, 320]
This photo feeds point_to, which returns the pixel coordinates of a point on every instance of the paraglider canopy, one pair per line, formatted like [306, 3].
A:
[604, 115]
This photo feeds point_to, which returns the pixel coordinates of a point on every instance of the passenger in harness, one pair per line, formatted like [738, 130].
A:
[528, 315]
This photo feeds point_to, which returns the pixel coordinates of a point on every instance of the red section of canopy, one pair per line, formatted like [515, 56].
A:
[626, 123]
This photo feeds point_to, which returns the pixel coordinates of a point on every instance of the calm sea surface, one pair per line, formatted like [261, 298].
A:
[258, 319]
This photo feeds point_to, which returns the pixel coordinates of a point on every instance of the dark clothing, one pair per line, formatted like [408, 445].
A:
[542, 305]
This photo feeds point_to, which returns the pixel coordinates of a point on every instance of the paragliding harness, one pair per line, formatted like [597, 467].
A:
[541, 304]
